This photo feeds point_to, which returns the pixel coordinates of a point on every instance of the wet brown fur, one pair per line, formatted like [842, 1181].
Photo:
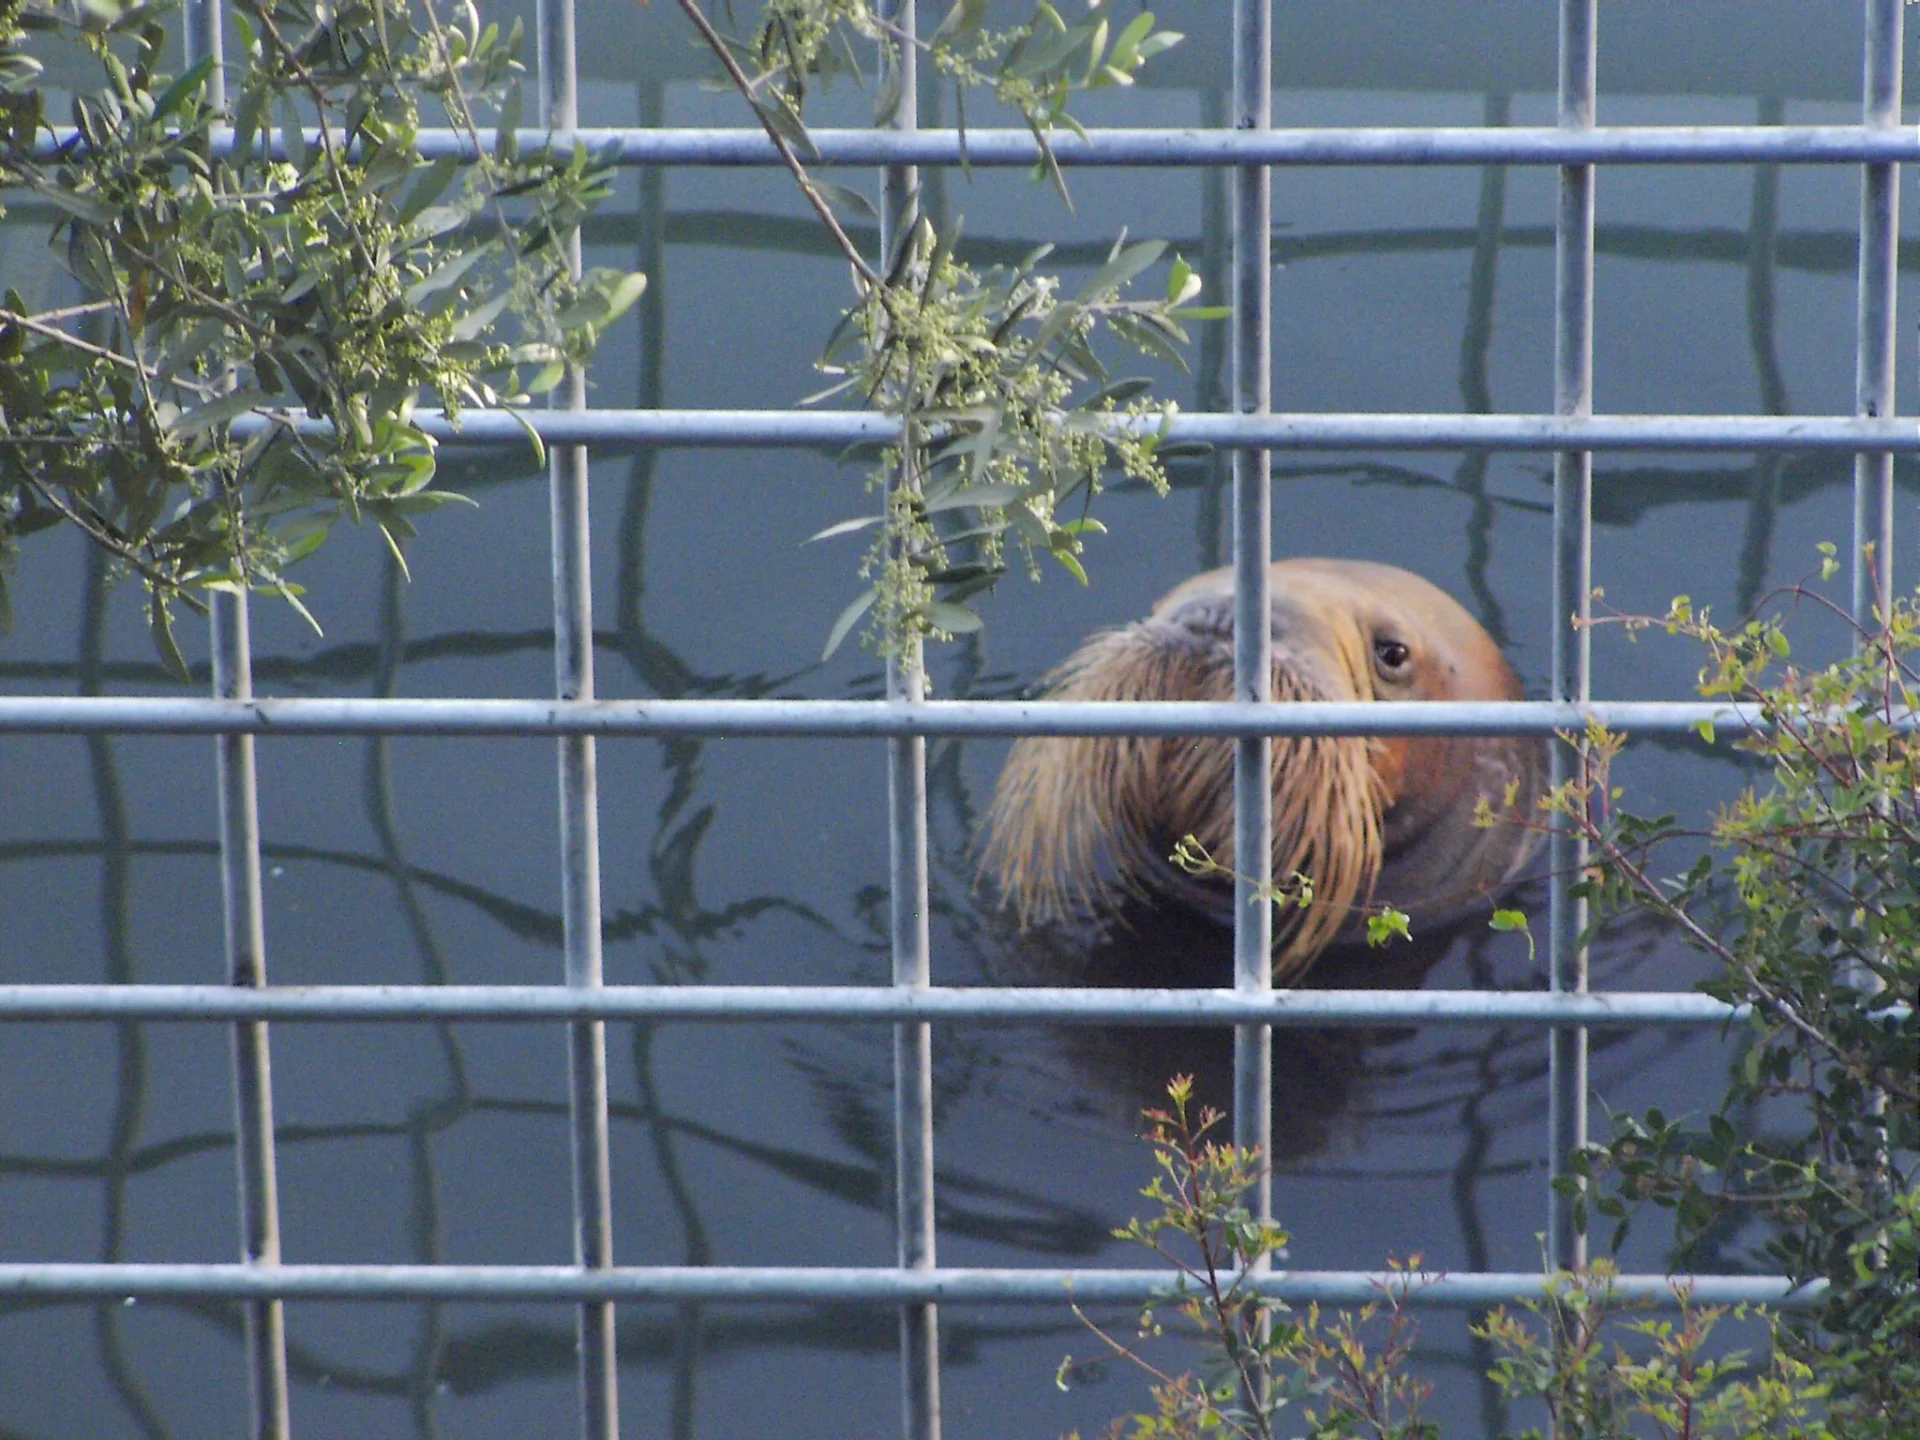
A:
[1077, 824]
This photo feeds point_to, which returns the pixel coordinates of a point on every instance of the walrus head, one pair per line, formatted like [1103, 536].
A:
[1080, 824]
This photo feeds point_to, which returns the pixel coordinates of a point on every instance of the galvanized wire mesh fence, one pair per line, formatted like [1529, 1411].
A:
[1246, 147]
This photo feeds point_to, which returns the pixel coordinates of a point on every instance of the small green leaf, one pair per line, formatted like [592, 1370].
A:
[842, 197]
[621, 293]
[73, 203]
[293, 136]
[476, 323]
[1386, 925]
[977, 497]
[291, 594]
[437, 220]
[301, 538]
[431, 185]
[218, 412]
[1126, 48]
[246, 116]
[506, 138]
[1122, 268]
[521, 419]
[849, 617]
[790, 128]
[160, 625]
[394, 529]
[1119, 392]
[1072, 564]
[952, 619]
[446, 274]
[176, 93]
[1159, 44]
[844, 527]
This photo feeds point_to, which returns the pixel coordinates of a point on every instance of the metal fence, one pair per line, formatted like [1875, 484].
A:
[1247, 148]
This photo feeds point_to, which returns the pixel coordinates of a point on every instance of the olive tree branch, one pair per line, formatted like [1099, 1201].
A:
[102, 534]
[868, 275]
[303, 75]
[37, 324]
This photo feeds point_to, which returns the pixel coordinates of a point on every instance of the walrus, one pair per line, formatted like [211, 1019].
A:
[1080, 826]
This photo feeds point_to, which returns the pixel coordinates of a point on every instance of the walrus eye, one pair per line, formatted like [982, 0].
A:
[1392, 655]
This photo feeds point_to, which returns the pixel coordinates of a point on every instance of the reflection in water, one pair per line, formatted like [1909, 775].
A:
[1315, 1072]
[1211, 390]
[433, 1114]
[1476, 388]
[130, 1089]
[1476, 398]
[1763, 501]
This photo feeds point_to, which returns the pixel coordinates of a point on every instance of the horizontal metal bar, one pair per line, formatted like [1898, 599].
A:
[1442, 145]
[1470, 145]
[1037, 1004]
[167, 715]
[1363, 431]
[830, 1285]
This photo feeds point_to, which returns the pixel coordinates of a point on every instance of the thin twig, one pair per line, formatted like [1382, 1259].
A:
[103, 535]
[92, 307]
[745, 86]
[36, 323]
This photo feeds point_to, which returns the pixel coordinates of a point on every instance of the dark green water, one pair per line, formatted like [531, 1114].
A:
[1720, 290]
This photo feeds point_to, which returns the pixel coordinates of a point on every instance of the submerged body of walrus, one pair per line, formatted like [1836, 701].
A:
[1080, 825]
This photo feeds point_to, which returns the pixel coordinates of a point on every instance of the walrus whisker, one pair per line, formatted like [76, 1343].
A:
[1080, 824]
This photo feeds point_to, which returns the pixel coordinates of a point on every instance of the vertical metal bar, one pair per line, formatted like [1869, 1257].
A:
[1874, 368]
[579, 811]
[1874, 372]
[245, 929]
[1210, 382]
[907, 851]
[1476, 397]
[1572, 606]
[252, 1073]
[1252, 627]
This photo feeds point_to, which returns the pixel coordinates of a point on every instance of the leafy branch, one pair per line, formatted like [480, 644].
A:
[1009, 417]
[1341, 1374]
[272, 286]
[1808, 894]
[1599, 1368]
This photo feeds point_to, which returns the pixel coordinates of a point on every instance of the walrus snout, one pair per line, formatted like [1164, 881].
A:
[1080, 824]
[1307, 661]
[1206, 619]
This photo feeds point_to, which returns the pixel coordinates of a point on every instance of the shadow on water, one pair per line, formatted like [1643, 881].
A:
[1316, 1072]
[119, 1165]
